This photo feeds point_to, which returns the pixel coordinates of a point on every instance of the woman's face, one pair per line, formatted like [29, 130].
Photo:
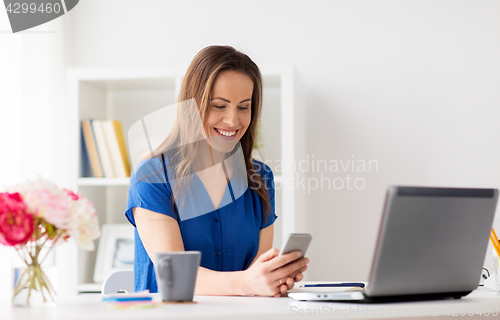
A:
[229, 111]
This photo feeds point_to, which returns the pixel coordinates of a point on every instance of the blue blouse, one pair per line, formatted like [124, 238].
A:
[228, 237]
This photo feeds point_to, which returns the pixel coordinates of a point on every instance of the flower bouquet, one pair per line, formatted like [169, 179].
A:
[34, 217]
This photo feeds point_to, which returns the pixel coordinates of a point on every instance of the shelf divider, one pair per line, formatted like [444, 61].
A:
[103, 181]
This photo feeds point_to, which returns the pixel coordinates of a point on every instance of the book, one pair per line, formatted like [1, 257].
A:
[325, 286]
[125, 299]
[123, 147]
[102, 148]
[91, 148]
[117, 149]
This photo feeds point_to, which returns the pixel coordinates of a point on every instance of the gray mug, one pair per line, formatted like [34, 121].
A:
[176, 274]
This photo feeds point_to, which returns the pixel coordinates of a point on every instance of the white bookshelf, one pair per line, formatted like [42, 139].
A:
[103, 182]
[127, 95]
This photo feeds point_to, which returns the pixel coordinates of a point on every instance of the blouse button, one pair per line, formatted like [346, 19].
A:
[216, 220]
[218, 253]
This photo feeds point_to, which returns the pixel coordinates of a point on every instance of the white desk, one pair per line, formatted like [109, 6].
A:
[90, 306]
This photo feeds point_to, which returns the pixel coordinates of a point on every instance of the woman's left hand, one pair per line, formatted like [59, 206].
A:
[290, 281]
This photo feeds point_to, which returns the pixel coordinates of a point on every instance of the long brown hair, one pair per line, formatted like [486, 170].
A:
[197, 84]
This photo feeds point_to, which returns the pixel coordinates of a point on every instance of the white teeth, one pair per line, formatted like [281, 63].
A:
[226, 133]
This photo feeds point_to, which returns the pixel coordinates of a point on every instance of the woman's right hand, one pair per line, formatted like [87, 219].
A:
[262, 278]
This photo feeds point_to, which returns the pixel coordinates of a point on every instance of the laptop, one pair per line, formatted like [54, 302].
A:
[431, 244]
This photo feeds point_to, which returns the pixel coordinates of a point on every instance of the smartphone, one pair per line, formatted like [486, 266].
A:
[297, 242]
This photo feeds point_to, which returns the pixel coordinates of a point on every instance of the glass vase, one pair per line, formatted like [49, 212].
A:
[32, 286]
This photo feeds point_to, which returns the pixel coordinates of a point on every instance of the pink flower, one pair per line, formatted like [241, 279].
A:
[72, 195]
[60, 212]
[46, 200]
[16, 225]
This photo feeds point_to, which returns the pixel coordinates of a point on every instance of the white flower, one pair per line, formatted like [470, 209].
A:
[83, 224]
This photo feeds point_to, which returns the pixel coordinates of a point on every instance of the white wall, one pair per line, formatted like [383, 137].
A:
[410, 84]
[32, 109]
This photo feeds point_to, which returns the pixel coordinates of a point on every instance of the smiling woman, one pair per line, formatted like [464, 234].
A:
[202, 190]
[228, 119]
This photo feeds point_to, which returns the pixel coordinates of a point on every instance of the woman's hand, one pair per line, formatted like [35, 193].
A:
[263, 277]
[291, 279]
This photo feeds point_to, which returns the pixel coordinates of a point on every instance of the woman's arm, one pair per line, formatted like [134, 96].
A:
[266, 236]
[161, 233]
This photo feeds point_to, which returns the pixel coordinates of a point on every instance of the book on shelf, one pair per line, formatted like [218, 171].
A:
[117, 149]
[102, 148]
[91, 149]
[106, 148]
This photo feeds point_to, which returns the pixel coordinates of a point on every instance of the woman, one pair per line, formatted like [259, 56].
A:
[201, 189]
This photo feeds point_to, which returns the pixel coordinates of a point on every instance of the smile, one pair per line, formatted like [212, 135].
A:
[226, 132]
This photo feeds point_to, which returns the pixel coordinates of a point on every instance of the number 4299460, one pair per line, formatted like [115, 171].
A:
[456, 311]
[33, 8]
